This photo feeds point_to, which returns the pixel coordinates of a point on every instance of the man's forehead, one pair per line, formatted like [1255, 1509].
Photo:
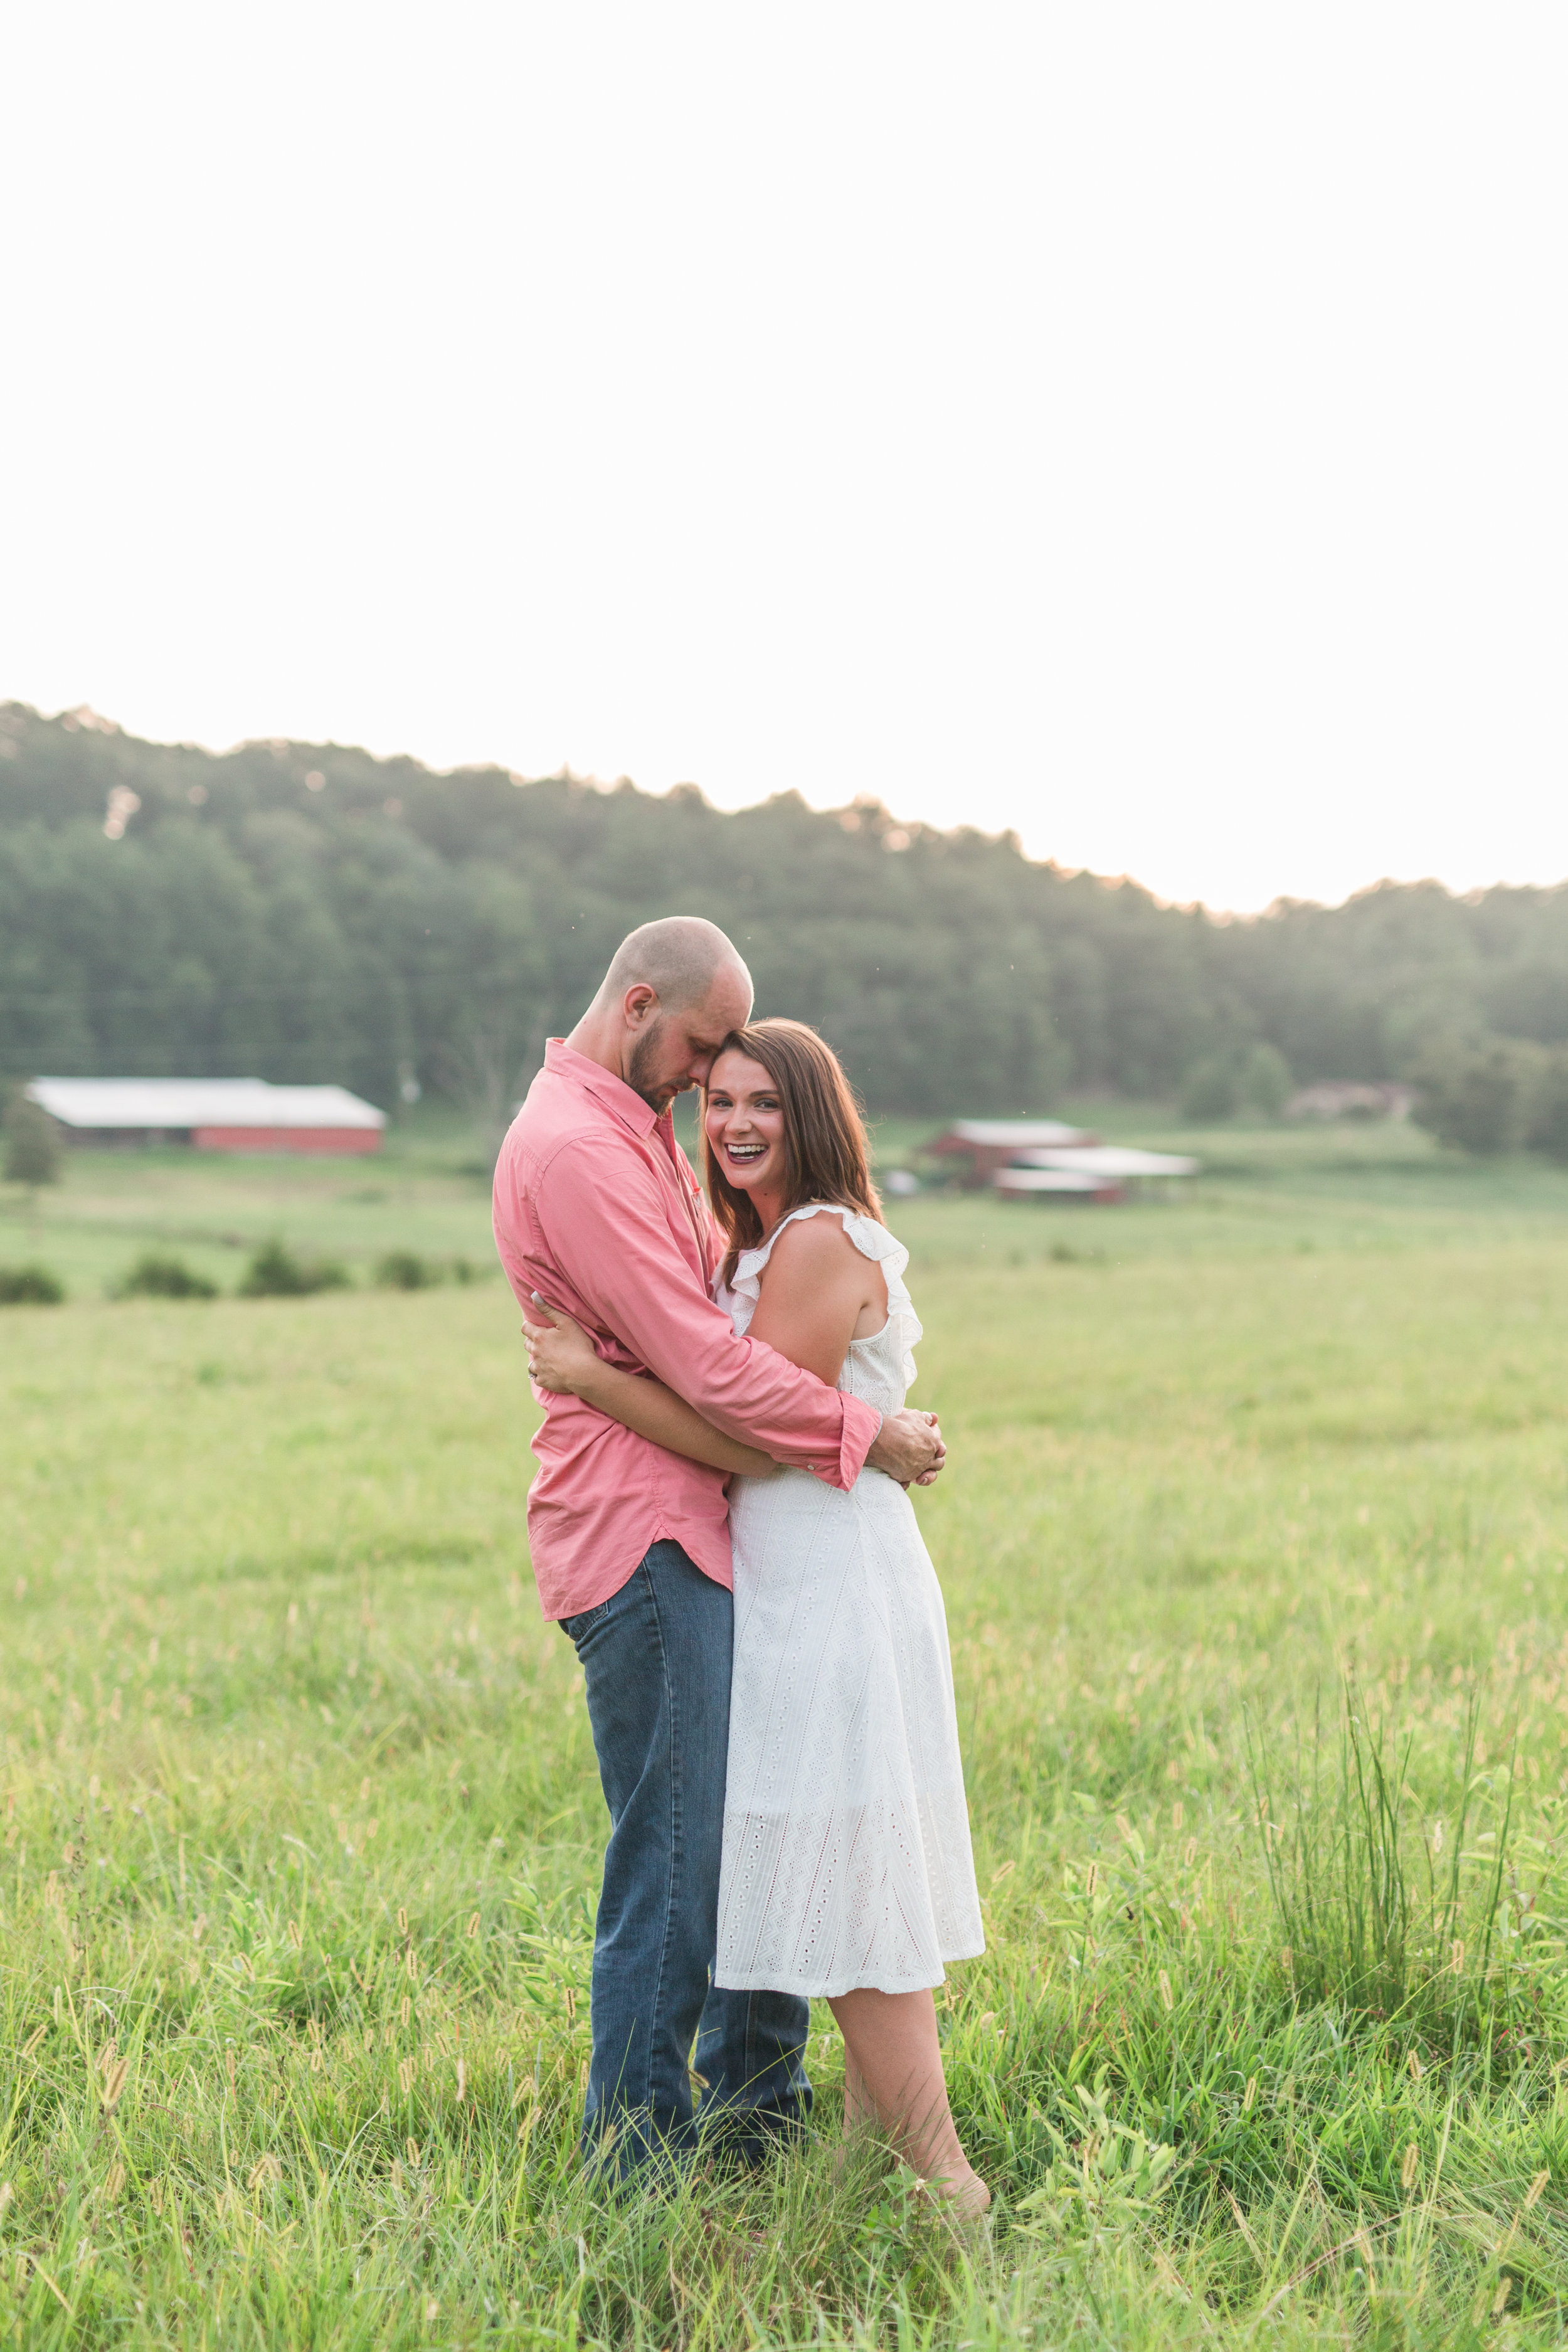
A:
[726, 1006]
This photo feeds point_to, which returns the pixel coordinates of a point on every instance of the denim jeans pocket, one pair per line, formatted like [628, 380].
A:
[577, 1629]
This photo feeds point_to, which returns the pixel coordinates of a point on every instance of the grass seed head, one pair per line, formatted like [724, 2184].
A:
[1249, 2095]
[1410, 2168]
[1534, 2189]
[114, 2084]
[1165, 1993]
[265, 2170]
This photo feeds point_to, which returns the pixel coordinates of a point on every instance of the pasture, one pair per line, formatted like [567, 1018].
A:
[1255, 1544]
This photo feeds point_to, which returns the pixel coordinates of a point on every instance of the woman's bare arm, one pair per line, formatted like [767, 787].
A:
[561, 1357]
[817, 1289]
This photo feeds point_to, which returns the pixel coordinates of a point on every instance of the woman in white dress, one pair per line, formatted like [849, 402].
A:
[846, 1872]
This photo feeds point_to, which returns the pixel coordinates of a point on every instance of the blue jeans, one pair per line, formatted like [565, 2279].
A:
[657, 1660]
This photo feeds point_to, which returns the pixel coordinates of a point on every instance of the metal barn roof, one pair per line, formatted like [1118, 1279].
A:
[173, 1104]
[1112, 1159]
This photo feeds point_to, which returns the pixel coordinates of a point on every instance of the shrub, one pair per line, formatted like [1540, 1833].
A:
[1265, 1081]
[407, 1270]
[30, 1286]
[1547, 1129]
[276, 1272]
[33, 1147]
[1478, 1097]
[1209, 1090]
[155, 1275]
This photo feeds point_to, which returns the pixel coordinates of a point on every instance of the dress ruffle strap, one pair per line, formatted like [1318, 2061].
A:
[873, 1241]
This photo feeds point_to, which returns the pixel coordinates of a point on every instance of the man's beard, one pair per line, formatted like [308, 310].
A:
[658, 1095]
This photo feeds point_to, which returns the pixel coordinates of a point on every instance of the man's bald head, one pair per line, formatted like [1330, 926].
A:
[672, 996]
[680, 957]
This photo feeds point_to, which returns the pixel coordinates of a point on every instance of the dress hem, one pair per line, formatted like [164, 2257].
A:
[834, 1989]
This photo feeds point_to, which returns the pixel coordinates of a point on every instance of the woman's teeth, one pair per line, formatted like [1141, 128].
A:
[745, 1151]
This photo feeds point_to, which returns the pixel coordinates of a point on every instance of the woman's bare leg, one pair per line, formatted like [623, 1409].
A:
[858, 2106]
[893, 2076]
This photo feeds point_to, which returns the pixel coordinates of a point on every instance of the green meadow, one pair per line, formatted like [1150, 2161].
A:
[1255, 1543]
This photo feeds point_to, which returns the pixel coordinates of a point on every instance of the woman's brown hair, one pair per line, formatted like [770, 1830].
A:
[826, 1153]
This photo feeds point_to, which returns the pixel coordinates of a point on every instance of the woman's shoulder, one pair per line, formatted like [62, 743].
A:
[825, 1234]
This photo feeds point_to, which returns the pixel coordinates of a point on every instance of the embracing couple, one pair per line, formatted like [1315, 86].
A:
[720, 1526]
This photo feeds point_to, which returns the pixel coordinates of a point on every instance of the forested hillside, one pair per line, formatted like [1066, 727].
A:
[290, 910]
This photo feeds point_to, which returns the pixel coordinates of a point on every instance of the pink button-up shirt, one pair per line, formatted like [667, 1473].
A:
[596, 1208]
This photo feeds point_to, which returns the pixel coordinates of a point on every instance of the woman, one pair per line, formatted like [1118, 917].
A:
[847, 1870]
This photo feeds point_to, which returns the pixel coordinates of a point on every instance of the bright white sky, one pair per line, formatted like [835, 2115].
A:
[1140, 425]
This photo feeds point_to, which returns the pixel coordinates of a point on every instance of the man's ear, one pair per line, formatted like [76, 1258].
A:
[639, 1003]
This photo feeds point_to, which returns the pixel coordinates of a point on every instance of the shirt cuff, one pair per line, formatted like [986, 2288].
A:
[862, 1427]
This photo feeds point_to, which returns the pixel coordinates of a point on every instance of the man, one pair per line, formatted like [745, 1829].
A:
[597, 1212]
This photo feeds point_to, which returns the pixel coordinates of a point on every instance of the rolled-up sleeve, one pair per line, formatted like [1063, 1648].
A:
[629, 1275]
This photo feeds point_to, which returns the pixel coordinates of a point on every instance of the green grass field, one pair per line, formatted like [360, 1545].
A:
[1255, 1542]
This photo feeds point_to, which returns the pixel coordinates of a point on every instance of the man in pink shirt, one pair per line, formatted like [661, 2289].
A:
[597, 1212]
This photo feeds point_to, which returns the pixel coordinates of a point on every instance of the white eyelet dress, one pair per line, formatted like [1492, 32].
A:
[847, 1857]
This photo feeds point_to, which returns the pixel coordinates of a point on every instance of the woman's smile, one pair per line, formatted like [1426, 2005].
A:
[744, 1122]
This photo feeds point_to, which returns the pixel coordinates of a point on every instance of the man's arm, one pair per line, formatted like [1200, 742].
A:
[616, 1250]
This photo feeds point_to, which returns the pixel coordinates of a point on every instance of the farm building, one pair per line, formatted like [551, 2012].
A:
[210, 1114]
[987, 1144]
[1098, 1171]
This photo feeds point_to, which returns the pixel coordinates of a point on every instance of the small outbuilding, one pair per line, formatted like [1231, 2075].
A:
[984, 1145]
[1101, 1171]
[210, 1114]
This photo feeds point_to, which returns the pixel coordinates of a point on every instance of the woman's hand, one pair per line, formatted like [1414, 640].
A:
[561, 1355]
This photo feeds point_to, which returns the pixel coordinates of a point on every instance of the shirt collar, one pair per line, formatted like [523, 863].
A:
[565, 1061]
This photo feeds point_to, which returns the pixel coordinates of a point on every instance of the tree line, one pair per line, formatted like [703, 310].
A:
[307, 912]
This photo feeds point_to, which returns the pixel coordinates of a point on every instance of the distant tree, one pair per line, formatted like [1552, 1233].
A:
[1264, 1085]
[1547, 1129]
[1209, 1090]
[33, 1147]
[1479, 1097]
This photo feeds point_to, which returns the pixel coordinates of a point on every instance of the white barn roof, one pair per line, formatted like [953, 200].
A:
[1112, 1159]
[177, 1103]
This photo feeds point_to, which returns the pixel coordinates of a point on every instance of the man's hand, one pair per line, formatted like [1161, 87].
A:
[561, 1355]
[909, 1447]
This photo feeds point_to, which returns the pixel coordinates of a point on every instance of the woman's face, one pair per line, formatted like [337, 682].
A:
[745, 1123]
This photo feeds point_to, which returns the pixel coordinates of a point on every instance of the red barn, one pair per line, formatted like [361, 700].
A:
[211, 1114]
